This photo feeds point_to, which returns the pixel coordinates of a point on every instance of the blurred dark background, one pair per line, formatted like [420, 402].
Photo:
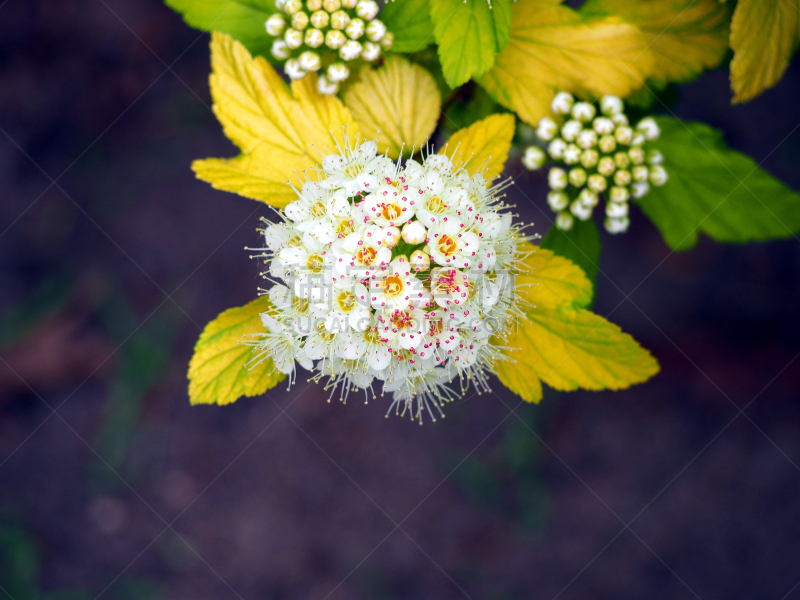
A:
[112, 257]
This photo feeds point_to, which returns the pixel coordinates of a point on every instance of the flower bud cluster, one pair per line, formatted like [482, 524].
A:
[391, 272]
[598, 153]
[323, 36]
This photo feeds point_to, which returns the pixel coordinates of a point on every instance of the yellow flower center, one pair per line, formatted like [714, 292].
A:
[318, 210]
[346, 301]
[446, 245]
[345, 228]
[393, 286]
[300, 304]
[326, 335]
[372, 336]
[435, 205]
[315, 263]
[391, 212]
[366, 256]
[354, 171]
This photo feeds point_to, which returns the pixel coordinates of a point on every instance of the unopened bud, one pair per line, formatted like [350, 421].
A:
[639, 173]
[557, 178]
[290, 7]
[614, 226]
[534, 158]
[387, 40]
[313, 5]
[293, 38]
[638, 139]
[577, 177]
[654, 157]
[338, 72]
[564, 221]
[355, 29]
[335, 39]
[611, 105]
[580, 210]
[622, 177]
[603, 126]
[280, 49]
[331, 5]
[370, 51]
[636, 155]
[622, 160]
[314, 38]
[350, 51]
[572, 154]
[310, 61]
[340, 19]
[420, 261]
[392, 237]
[351, 4]
[623, 135]
[570, 130]
[583, 111]
[557, 200]
[588, 198]
[618, 194]
[607, 144]
[414, 233]
[320, 19]
[367, 9]
[275, 25]
[547, 129]
[300, 20]
[293, 69]
[589, 158]
[640, 189]
[658, 175]
[606, 166]
[587, 139]
[326, 86]
[596, 183]
[649, 128]
[620, 120]
[376, 31]
[562, 103]
[556, 148]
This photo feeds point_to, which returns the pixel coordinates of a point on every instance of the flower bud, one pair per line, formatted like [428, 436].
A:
[293, 38]
[623, 135]
[603, 126]
[351, 4]
[564, 221]
[367, 9]
[620, 120]
[636, 155]
[658, 175]
[331, 5]
[557, 178]
[320, 19]
[314, 38]
[589, 158]
[293, 69]
[557, 200]
[572, 154]
[649, 128]
[547, 129]
[275, 25]
[420, 261]
[588, 198]
[617, 225]
[610, 105]
[607, 144]
[338, 72]
[622, 177]
[279, 4]
[587, 139]
[562, 103]
[556, 148]
[327, 87]
[375, 31]
[370, 51]
[300, 20]
[340, 19]
[615, 210]
[606, 166]
[292, 6]
[355, 29]
[534, 158]
[580, 210]
[335, 39]
[597, 183]
[313, 5]
[350, 51]
[622, 160]
[414, 233]
[638, 139]
[577, 177]
[654, 157]
[618, 194]
[570, 130]
[639, 173]
[310, 61]
[392, 237]
[280, 50]
[640, 188]
[583, 111]
[387, 40]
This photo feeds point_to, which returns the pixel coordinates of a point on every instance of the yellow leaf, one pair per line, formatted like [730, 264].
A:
[399, 104]
[570, 348]
[218, 371]
[685, 36]
[548, 280]
[553, 48]
[484, 144]
[278, 131]
[764, 35]
[519, 380]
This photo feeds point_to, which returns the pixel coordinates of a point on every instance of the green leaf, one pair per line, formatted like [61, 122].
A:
[764, 36]
[219, 372]
[410, 22]
[469, 35]
[581, 245]
[715, 190]
[241, 19]
[463, 112]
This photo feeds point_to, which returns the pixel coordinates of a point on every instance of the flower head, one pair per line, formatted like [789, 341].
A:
[599, 153]
[313, 36]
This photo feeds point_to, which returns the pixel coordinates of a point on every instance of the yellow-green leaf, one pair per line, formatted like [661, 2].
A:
[559, 342]
[219, 372]
[484, 144]
[764, 35]
[546, 279]
[398, 104]
[553, 48]
[685, 36]
[277, 131]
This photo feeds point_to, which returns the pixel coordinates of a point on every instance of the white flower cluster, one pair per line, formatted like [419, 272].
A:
[600, 154]
[315, 35]
[390, 271]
